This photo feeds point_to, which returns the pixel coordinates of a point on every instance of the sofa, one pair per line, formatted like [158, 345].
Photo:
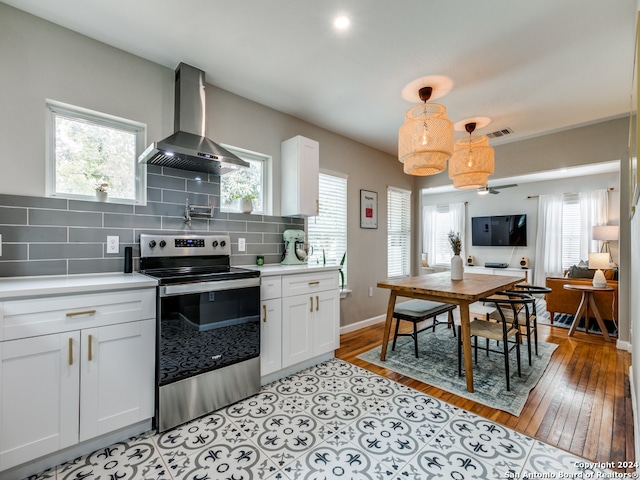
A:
[567, 301]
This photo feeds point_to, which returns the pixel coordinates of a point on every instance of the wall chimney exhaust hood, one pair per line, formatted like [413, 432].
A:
[188, 148]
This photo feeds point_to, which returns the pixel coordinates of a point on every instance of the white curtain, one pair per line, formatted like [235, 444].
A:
[548, 239]
[458, 221]
[429, 232]
[594, 207]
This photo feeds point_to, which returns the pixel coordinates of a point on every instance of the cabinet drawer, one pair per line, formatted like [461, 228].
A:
[309, 283]
[270, 287]
[42, 316]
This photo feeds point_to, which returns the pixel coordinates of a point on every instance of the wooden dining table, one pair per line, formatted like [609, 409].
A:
[439, 287]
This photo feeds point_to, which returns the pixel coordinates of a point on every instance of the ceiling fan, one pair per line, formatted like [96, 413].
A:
[494, 190]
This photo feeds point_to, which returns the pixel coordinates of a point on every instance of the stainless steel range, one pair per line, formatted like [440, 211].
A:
[208, 325]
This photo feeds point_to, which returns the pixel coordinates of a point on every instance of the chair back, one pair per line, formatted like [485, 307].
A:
[514, 301]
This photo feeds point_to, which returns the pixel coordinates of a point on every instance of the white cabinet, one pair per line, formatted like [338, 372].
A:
[300, 166]
[71, 374]
[270, 325]
[508, 272]
[310, 316]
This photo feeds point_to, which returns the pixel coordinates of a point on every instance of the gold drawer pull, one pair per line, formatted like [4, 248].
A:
[90, 348]
[314, 283]
[311, 304]
[84, 312]
[317, 303]
[264, 310]
[70, 351]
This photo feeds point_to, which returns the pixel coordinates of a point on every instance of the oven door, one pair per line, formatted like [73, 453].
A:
[206, 326]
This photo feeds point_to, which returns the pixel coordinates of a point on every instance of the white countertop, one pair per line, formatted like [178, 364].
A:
[38, 286]
[278, 269]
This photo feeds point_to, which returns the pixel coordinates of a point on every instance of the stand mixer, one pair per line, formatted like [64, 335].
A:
[296, 251]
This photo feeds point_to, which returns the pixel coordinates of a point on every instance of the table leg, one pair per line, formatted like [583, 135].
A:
[387, 325]
[596, 313]
[466, 345]
[582, 308]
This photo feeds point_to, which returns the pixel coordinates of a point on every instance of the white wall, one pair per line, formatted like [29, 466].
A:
[515, 200]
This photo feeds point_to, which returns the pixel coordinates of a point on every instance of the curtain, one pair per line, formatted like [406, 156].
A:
[548, 239]
[429, 215]
[458, 221]
[594, 207]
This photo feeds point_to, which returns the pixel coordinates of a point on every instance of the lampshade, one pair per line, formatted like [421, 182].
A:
[599, 261]
[425, 140]
[472, 162]
[605, 232]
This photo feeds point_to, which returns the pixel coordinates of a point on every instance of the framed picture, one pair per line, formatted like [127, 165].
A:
[368, 209]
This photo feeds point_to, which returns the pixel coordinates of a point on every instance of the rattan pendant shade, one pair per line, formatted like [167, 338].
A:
[425, 140]
[472, 162]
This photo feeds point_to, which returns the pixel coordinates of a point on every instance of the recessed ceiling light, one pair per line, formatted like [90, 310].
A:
[342, 22]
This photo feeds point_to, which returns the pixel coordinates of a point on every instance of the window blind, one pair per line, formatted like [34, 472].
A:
[328, 230]
[570, 231]
[398, 232]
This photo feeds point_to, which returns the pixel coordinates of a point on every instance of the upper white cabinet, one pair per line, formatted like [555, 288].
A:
[300, 167]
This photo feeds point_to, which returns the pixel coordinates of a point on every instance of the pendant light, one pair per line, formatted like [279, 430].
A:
[425, 140]
[473, 159]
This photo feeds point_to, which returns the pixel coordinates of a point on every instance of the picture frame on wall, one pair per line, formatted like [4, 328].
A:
[368, 209]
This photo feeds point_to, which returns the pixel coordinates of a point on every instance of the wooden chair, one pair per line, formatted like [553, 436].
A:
[416, 311]
[502, 330]
[530, 324]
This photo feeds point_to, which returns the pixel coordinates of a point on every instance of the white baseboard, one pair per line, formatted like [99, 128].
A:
[352, 327]
[623, 345]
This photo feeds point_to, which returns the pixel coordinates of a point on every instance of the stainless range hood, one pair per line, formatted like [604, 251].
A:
[188, 148]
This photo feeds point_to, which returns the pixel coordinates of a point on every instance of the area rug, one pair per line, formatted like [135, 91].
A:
[437, 365]
[565, 320]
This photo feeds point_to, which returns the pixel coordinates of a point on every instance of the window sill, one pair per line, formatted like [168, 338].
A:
[344, 292]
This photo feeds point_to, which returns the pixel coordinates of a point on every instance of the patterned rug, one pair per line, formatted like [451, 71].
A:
[565, 320]
[437, 365]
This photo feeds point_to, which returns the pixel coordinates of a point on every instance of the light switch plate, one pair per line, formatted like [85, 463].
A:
[242, 246]
[113, 244]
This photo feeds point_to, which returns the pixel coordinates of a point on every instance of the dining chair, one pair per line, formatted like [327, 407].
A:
[531, 326]
[504, 328]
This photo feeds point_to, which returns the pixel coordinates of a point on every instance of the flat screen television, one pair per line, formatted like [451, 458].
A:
[499, 231]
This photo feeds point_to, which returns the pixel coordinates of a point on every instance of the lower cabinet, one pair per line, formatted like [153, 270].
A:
[60, 389]
[271, 336]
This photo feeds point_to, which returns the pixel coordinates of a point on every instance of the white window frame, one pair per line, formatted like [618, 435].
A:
[266, 181]
[139, 130]
[338, 226]
[443, 252]
[402, 233]
[571, 219]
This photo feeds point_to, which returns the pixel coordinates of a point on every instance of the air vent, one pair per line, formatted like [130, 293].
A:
[500, 133]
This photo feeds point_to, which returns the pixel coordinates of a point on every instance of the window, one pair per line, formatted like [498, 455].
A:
[437, 222]
[398, 232]
[327, 232]
[246, 182]
[443, 250]
[570, 231]
[87, 149]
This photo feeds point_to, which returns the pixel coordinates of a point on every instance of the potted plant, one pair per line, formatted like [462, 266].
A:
[456, 261]
[246, 203]
[101, 191]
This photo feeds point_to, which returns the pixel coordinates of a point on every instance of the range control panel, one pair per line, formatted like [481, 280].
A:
[183, 245]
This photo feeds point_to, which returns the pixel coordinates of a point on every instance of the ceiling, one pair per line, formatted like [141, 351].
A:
[534, 67]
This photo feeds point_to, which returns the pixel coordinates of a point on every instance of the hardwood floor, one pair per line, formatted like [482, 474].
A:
[582, 403]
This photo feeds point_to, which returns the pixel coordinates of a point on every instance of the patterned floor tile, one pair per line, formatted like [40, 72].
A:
[135, 458]
[547, 459]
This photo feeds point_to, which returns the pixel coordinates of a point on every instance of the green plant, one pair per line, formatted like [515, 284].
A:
[344, 256]
[324, 258]
[455, 242]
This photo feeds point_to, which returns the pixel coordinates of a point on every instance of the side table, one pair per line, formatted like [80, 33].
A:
[588, 302]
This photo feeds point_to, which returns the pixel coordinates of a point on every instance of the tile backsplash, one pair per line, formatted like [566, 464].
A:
[53, 236]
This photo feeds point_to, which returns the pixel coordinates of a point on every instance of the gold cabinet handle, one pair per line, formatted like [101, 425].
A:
[90, 348]
[84, 312]
[314, 283]
[70, 351]
[317, 303]
[311, 304]
[264, 313]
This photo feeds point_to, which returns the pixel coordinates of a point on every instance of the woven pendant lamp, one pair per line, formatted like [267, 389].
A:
[472, 161]
[425, 140]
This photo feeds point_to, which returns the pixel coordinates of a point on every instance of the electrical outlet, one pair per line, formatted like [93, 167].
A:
[113, 244]
[242, 246]
[371, 291]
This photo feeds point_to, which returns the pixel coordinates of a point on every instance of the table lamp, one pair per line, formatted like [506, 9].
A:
[599, 261]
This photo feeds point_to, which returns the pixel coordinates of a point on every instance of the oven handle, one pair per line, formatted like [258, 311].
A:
[203, 287]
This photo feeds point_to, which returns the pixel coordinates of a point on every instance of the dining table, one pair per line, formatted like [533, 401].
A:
[439, 287]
